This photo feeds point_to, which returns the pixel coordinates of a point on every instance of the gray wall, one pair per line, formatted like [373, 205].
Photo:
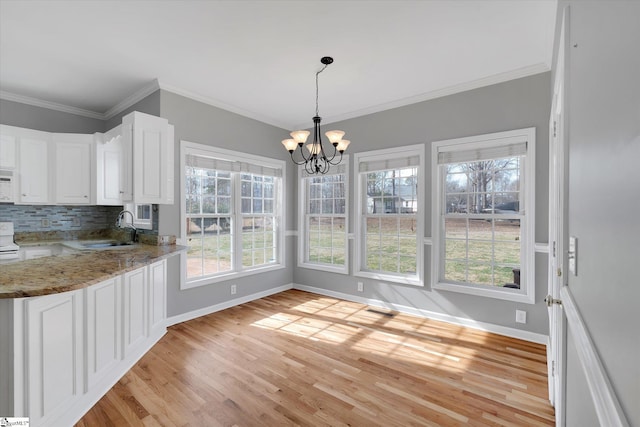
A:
[515, 104]
[604, 194]
[204, 124]
[31, 117]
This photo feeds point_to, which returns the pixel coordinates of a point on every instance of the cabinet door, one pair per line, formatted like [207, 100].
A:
[157, 297]
[54, 355]
[134, 314]
[113, 168]
[103, 308]
[33, 168]
[73, 168]
[152, 140]
[8, 144]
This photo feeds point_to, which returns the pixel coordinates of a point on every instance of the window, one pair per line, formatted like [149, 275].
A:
[483, 227]
[389, 244]
[142, 215]
[232, 208]
[323, 219]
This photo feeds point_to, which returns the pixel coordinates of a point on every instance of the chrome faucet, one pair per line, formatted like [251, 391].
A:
[120, 219]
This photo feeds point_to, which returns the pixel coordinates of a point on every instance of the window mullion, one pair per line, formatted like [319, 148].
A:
[237, 219]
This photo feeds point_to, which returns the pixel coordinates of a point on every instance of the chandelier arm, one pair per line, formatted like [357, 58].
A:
[339, 160]
[296, 162]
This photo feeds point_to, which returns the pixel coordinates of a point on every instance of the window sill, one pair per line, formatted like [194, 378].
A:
[324, 267]
[504, 294]
[189, 284]
[413, 281]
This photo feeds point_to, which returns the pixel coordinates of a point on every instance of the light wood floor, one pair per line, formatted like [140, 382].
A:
[297, 358]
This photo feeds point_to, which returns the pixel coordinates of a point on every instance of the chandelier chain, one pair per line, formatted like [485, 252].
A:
[323, 68]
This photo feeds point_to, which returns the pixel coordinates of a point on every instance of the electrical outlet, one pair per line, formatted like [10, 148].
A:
[234, 289]
[360, 287]
[46, 223]
[521, 316]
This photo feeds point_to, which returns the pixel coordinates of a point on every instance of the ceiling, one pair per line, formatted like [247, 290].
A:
[259, 58]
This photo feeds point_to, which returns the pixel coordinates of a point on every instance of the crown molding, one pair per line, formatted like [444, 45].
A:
[137, 96]
[451, 90]
[219, 104]
[8, 96]
[156, 84]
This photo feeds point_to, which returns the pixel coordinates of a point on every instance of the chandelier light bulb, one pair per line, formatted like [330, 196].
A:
[334, 136]
[300, 136]
[313, 148]
[342, 145]
[289, 144]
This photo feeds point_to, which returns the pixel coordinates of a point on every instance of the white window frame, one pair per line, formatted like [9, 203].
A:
[187, 147]
[526, 293]
[360, 223]
[140, 223]
[302, 220]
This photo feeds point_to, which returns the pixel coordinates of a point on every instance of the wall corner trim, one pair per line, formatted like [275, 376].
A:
[461, 321]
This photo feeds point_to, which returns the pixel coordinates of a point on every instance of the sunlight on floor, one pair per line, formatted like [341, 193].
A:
[351, 324]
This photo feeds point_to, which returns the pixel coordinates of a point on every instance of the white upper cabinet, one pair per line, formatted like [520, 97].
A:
[152, 141]
[131, 163]
[74, 169]
[33, 167]
[113, 168]
[8, 144]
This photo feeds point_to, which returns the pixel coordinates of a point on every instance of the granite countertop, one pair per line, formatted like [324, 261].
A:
[77, 270]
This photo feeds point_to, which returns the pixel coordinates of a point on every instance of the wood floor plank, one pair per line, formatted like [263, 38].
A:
[300, 359]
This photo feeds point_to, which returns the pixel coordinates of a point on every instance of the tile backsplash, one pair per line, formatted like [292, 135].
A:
[44, 218]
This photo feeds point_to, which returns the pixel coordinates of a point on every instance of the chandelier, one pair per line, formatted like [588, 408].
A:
[318, 160]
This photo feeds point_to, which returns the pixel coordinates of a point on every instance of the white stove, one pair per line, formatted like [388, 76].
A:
[8, 249]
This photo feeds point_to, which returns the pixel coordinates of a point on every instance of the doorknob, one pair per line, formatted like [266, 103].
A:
[550, 301]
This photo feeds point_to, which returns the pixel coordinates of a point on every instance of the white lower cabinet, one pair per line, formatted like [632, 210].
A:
[134, 321]
[157, 297]
[103, 310]
[54, 355]
[70, 348]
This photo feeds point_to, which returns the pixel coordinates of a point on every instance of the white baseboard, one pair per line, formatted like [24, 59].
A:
[482, 326]
[224, 305]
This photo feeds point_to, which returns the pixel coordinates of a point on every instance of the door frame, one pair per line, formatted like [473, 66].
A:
[558, 180]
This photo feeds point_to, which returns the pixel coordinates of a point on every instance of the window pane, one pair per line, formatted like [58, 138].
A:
[480, 273]
[327, 206]
[485, 250]
[327, 234]
[194, 242]
[208, 204]
[224, 187]
[246, 188]
[246, 206]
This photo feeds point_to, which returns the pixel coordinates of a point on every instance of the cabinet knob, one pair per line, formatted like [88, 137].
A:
[24, 195]
[86, 197]
[121, 192]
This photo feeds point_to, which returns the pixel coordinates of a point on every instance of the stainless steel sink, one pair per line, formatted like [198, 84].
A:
[103, 245]
[86, 245]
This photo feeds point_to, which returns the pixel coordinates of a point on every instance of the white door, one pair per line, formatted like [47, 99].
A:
[557, 273]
